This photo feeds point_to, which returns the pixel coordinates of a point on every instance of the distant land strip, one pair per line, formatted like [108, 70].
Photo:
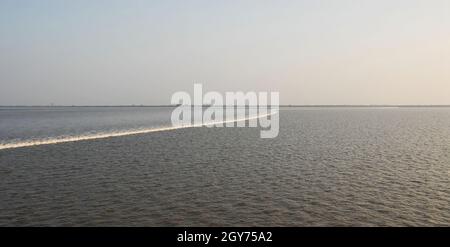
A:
[224, 105]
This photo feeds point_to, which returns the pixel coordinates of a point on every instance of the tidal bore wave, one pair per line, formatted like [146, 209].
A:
[84, 137]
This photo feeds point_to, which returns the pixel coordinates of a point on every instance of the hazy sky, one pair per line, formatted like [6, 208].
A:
[140, 52]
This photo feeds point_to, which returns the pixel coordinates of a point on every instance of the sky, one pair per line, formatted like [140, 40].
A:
[92, 52]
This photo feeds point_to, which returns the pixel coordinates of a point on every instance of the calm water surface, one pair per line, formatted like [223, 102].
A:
[327, 167]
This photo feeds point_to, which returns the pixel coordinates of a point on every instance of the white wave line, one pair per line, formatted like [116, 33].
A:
[119, 133]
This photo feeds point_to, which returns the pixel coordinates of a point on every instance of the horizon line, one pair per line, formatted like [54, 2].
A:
[280, 105]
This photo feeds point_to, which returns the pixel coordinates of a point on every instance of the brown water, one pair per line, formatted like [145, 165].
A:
[327, 167]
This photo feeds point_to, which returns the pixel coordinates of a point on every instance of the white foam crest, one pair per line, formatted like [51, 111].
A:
[57, 140]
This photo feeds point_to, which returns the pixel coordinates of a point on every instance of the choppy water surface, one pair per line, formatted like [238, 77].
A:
[327, 167]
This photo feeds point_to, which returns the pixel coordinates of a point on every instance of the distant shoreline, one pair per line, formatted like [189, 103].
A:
[285, 106]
